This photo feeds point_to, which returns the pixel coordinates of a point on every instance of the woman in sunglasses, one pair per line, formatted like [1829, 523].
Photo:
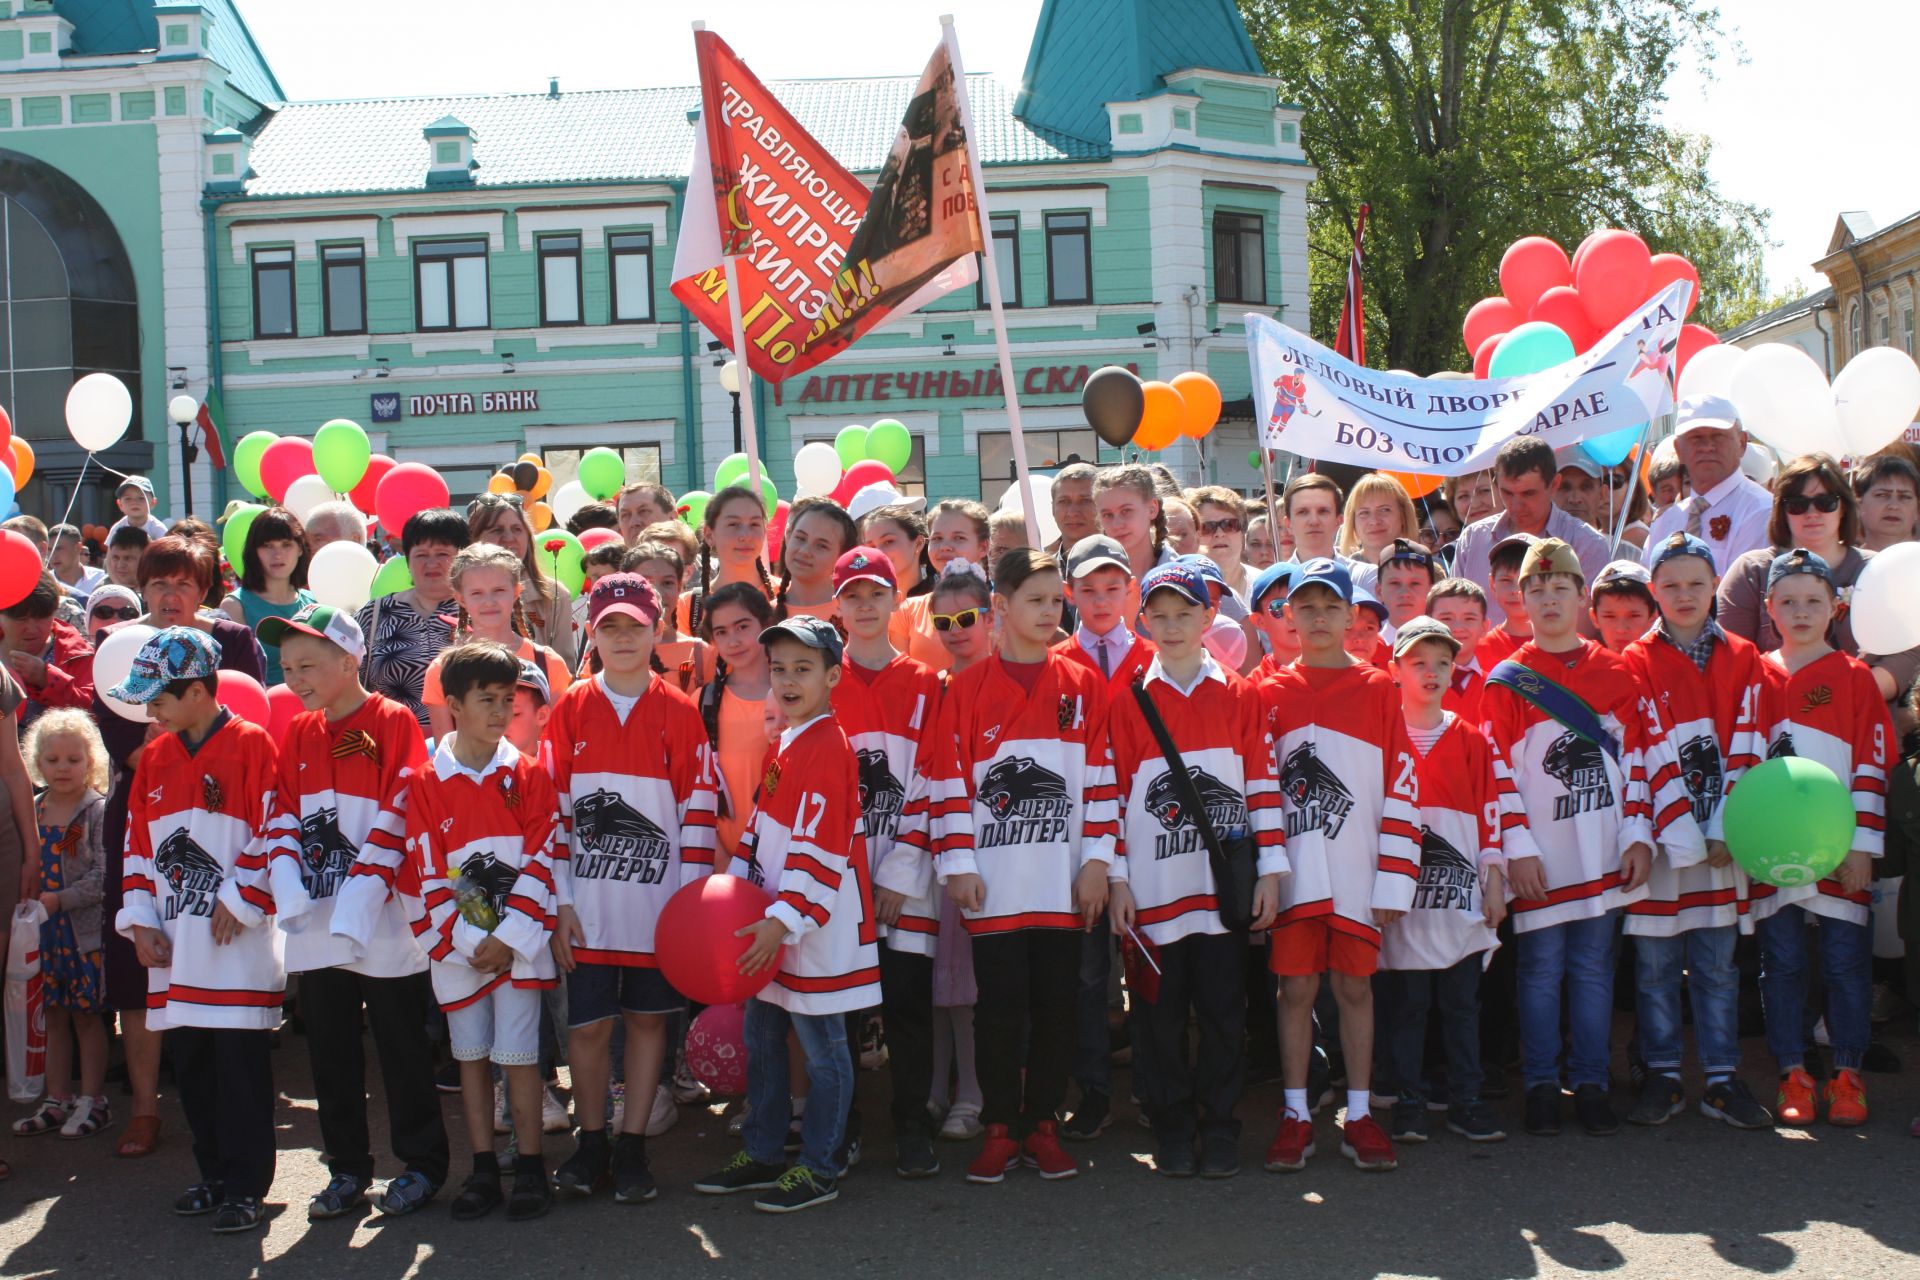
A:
[1813, 507]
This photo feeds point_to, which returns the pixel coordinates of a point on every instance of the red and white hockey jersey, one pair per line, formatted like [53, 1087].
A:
[197, 837]
[1220, 730]
[806, 844]
[496, 828]
[1460, 810]
[1134, 662]
[1348, 792]
[889, 716]
[1024, 793]
[1831, 711]
[1703, 728]
[636, 813]
[1584, 808]
[339, 837]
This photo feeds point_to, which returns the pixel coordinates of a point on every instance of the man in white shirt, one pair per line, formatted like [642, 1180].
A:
[1524, 472]
[63, 559]
[1723, 507]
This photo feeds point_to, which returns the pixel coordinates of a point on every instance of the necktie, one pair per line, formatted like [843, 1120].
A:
[1461, 678]
[1106, 663]
[1696, 510]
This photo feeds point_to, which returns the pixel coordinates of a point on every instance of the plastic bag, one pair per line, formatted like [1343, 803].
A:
[26, 1026]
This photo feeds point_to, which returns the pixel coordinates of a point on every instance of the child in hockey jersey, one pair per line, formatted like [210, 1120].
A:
[1621, 604]
[1023, 836]
[1702, 700]
[635, 779]
[1565, 714]
[481, 822]
[1503, 584]
[1461, 606]
[805, 844]
[1433, 955]
[1162, 877]
[1348, 790]
[338, 847]
[1267, 610]
[1821, 705]
[195, 905]
[887, 705]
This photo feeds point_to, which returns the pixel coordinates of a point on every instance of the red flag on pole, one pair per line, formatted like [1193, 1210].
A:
[1351, 340]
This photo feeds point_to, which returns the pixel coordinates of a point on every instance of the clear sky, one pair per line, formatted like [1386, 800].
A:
[1818, 118]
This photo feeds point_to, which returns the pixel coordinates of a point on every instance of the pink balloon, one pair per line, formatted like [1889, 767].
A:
[1489, 318]
[1530, 267]
[283, 704]
[241, 694]
[1613, 277]
[283, 462]
[409, 488]
[591, 538]
[717, 1048]
[1561, 306]
[1668, 267]
[363, 493]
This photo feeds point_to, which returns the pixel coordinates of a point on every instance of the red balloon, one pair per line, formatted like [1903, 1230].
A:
[1483, 358]
[1581, 251]
[693, 939]
[6, 431]
[1530, 267]
[1613, 277]
[1668, 267]
[1694, 338]
[777, 529]
[591, 538]
[20, 567]
[283, 704]
[716, 1049]
[363, 493]
[241, 694]
[283, 462]
[1489, 318]
[408, 488]
[858, 476]
[1561, 306]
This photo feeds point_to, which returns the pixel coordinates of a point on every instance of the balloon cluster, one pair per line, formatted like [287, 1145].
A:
[1123, 410]
[526, 477]
[1786, 402]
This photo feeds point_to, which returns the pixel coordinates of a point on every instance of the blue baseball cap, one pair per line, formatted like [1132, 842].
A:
[1176, 576]
[815, 633]
[177, 653]
[1681, 544]
[1789, 563]
[1365, 599]
[1323, 573]
[1278, 574]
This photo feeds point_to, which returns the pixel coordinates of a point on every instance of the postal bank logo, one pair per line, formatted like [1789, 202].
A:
[386, 407]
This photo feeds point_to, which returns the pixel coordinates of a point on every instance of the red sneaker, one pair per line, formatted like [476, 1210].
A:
[1846, 1099]
[998, 1154]
[1365, 1143]
[1042, 1151]
[1291, 1145]
[1798, 1102]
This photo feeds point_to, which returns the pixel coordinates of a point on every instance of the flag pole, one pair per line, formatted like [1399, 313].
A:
[749, 429]
[994, 302]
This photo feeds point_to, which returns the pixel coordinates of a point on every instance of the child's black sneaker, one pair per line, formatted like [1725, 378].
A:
[798, 1188]
[201, 1197]
[1596, 1115]
[587, 1167]
[1661, 1099]
[913, 1155]
[632, 1177]
[1219, 1154]
[1733, 1102]
[242, 1213]
[1090, 1119]
[1473, 1120]
[1173, 1158]
[479, 1196]
[1409, 1120]
[742, 1173]
[447, 1078]
[1544, 1105]
[532, 1194]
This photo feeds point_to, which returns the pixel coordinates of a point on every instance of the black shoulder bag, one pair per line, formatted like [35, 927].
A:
[1234, 861]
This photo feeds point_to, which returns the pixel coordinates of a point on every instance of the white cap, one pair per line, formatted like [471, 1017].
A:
[877, 495]
[1706, 411]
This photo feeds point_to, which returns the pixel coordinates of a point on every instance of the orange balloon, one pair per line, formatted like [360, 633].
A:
[1200, 397]
[500, 483]
[540, 486]
[1162, 416]
[534, 458]
[22, 462]
[542, 516]
[1415, 483]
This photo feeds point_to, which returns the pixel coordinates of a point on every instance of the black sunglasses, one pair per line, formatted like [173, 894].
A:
[1231, 524]
[963, 619]
[126, 612]
[1826, 504]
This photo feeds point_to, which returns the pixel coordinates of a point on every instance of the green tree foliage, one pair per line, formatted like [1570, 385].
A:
[1467, 124]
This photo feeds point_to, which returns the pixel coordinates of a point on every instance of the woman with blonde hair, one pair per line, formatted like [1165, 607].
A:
[1378, 511]
[500, 520]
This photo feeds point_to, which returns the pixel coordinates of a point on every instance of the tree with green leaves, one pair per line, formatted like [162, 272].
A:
[1467, 124]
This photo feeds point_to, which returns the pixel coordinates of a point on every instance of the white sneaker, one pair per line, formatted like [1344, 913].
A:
[553, 1116]
[685, 1088]
[500, 1124]
[88, 1117]
[962, 1123]
[665, 1113]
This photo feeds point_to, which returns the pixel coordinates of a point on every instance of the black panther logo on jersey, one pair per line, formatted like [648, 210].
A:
[1029, 805]
[881, 794]
[1226, 808]
[1700, 771]
[492, 877]
[1448, 877]
[617, 841]
[1781, 746]
[1578, 765]
[1317, 799]
[190, 873]
[325, 855]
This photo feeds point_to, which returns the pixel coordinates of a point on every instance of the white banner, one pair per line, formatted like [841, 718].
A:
[1319, 405]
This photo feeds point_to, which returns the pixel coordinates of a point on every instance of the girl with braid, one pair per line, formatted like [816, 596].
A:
[486, 587]
[733, 705]
[735, 531]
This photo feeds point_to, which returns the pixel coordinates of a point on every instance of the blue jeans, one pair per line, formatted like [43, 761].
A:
[1579, 956]
[823, 1039]
[1713, 987]
[1846, 965]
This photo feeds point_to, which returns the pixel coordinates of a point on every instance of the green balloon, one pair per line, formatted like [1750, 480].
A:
[768, 494]
[341, 452]
[246, 460]
[233, 539]
[559, 553]
[602, 472]
[392, 576]
[889, 442]
[693, 507]
[851, 445]
[1789, 821]
[1529, 348]
[732, 467]
[1253, 459]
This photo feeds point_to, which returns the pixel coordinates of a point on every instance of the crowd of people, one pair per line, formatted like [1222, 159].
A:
[1342, 788]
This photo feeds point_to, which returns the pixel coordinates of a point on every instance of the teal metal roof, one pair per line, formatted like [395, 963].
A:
[1087, 53]
[617, 135]
[129, 26]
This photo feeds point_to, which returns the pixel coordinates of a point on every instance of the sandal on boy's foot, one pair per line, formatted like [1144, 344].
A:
[88, 1117]
[139, 1138]
[532, 1194]
[632, 1176]
[407, 1193]
[242, 1213]
[50, 1115]
[742, 1173]
[479, 1196]
[201, 1197]
[342, 1195]
[799, 1188]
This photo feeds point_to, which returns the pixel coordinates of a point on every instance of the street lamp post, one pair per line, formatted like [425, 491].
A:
[730, 383]
[183, 410]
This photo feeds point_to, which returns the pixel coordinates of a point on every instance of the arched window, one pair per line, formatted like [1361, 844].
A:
[1856, 331]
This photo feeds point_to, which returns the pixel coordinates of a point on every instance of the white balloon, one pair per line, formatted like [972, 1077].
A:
[1876, 397]
[341, 573]
[306, 493]
[1884, 608]
[1758, 464]
[1710, 372]
[98, 411]
[816, 469]
[566, 500]
[1784, 399]
[113, 660]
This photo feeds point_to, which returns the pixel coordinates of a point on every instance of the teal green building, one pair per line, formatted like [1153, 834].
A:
[474, 276]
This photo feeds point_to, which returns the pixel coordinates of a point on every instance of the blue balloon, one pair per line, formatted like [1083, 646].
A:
[7, 492]
[1612, 449]
[1529, 348]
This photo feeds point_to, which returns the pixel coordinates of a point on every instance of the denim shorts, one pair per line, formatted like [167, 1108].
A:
[596, 992]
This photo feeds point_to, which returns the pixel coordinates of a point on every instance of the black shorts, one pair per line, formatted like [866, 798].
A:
[596, 992]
